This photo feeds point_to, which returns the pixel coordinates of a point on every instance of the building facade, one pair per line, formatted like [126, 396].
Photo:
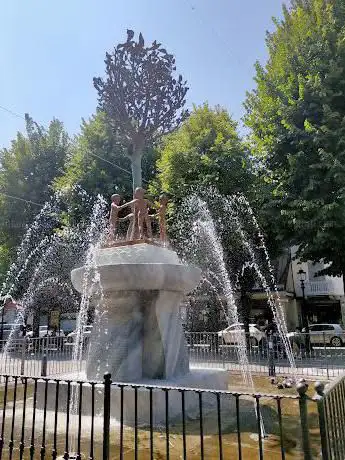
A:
[323, 300]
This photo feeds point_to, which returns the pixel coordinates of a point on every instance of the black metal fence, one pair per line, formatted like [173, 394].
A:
[47, 356]
[52, 356]
[54, 418]
[331, 405]
[314, 355]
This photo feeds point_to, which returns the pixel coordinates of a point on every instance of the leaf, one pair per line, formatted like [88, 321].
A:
[130, 35]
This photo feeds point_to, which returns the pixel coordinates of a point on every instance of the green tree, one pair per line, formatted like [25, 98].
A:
[4, 261]
[98, 165]
[27, 171]
[296, 114]
[141, 96]
[206, 150]
[206, 156]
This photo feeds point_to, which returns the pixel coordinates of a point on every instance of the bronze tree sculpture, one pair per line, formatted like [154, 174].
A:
[141, 96]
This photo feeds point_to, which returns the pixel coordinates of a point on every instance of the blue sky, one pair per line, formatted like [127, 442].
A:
[51, 50]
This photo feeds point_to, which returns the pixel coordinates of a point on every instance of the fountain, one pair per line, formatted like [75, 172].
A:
[143, 283]
[136, 285]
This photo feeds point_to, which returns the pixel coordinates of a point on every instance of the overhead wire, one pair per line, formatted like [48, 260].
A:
[116, 165]
[93, 154]
[21, 199]
[11, 112]
[5, 109]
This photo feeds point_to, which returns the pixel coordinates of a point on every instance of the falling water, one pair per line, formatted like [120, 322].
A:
[39, 257]
[91, 280]
[204, 234]
[32, 239]
[274, 301]
[234, 218]
[37, 281]
[91, 288]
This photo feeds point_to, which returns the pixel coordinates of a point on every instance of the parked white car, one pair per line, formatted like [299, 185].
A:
[14, 329]
[86, 334]
[44, 331]
[320, 334]
[232, 333]
[329, 334]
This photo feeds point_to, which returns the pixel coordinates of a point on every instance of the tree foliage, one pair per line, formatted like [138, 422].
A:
[98, 165]
[206, 150]
[206, 157]
[141, 96]
[27, 171]
[297, 114]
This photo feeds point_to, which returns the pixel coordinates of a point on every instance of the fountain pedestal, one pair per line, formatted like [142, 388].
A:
[137, 335]
[137, 332]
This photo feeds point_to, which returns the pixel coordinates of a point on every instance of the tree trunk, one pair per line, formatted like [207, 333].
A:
[36, 322]
[136, 169]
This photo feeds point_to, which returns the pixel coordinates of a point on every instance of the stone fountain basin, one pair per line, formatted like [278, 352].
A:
[142, 277]
[137, 331]
[140, 267]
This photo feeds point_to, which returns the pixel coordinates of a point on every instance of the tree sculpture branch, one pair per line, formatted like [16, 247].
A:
[141, 96]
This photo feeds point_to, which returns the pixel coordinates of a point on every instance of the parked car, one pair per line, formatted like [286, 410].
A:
[44, 331]
[231, 334]
[48, 338]
[320, 334]
[15, 329]
[329, 334]
[86, 334]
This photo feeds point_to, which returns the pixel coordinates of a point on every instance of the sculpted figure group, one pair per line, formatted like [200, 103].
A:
[140, 226]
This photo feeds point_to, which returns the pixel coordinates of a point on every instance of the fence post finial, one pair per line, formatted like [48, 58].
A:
[302, 388]
[319, 398]
[106, 415]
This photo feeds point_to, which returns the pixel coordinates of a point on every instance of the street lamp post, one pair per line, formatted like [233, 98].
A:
[305, 323]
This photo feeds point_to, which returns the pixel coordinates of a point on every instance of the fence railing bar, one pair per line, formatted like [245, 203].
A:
[3, 416]
[91, 455]
[219, 421]
[167, 437]
[151, 422]
[57, 389]
[66, 454]
[184, 441]
[32, 443]
[335, 404]
[22, 436]
[340, 419]
[11, 444]
[342, 402]
[302, 389]
[106, 415]
[43, 446]
[201, 426]
[280, 421]
[238, 426]
[135, 423]
[121, 422]
[80, 408]
[259, 426]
